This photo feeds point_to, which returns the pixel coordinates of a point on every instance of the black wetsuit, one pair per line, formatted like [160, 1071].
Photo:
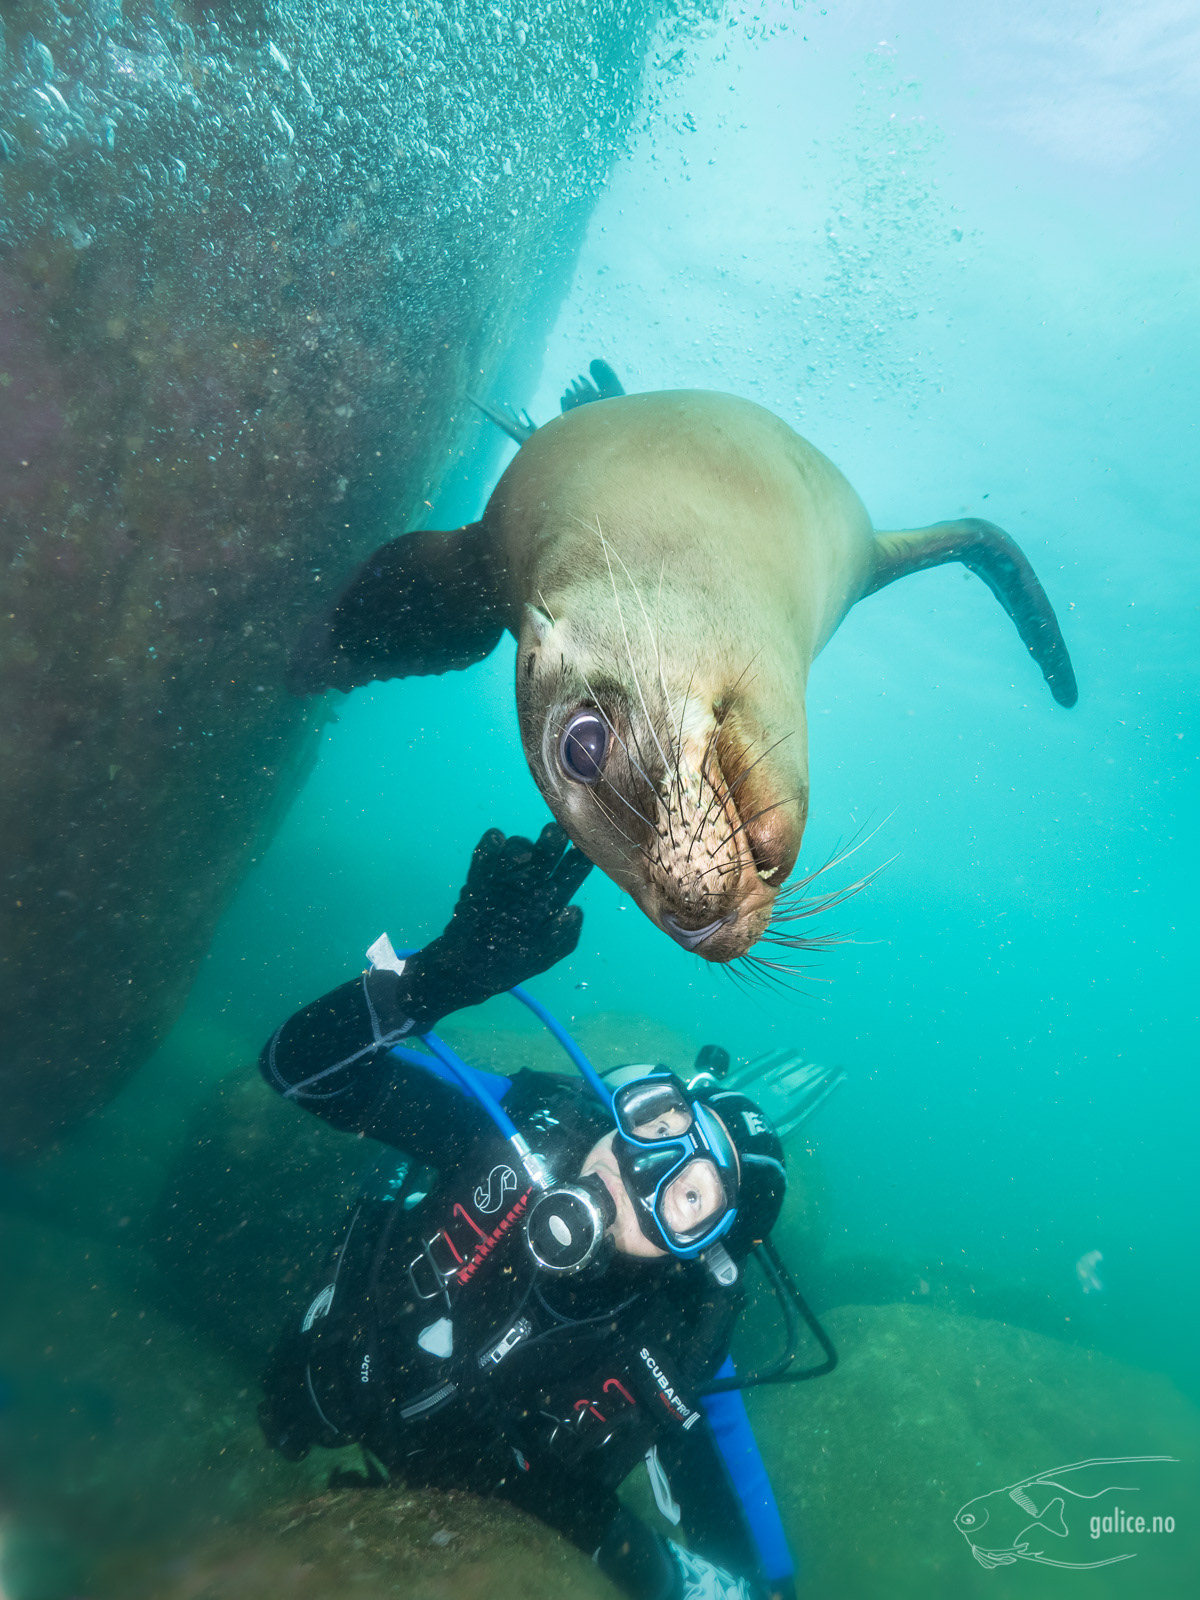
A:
[433, 1342]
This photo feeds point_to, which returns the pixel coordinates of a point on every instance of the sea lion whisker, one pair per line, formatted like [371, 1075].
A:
[640, 848]
[662, 682]
[762, 812]
[638, 768]
[719, 796]
[633, 733]
[806, 971]
[764, 972]
[662, 570]
[810, 941]
[663, 689]
[731, 791]
[790, 969]
[737, 682]
[793, 892]
[716, 797]
[741, 778]
[637, 682]
[677, 744]
[814, 905]
[625, 801]
[723, 869]
[838, 855]
[687, 694]
[704, 778]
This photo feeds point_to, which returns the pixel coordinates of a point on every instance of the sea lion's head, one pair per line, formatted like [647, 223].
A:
[682, 788]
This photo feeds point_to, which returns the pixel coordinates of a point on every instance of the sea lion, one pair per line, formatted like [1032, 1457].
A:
[670, 565]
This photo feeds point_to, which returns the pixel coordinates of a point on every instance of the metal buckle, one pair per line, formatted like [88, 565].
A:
[442, 1275]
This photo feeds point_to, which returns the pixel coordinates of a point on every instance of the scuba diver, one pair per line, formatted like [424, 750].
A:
[533, 1296]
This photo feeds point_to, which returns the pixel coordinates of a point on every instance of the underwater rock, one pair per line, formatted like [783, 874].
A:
[127, 1441]
[966, 1288]
[608, 1038]
[926, 1411]
[255, 1200]
[117, 1425]
[251, 259]
[420, 1544]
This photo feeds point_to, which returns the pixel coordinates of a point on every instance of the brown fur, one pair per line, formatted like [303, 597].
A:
[676, 560]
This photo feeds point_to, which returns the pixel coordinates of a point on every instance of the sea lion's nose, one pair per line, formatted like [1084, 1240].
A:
[692, 938]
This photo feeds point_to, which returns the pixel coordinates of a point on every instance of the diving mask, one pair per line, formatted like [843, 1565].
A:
[677, 1162]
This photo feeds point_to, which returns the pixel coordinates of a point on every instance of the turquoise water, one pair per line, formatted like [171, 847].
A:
[963, 262]
[958, 251]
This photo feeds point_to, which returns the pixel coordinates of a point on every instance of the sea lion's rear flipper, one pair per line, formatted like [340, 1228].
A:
[519, 425]
[424, 603]
[990, 553]
[603, 385]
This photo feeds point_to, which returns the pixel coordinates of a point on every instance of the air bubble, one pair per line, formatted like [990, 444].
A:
[37, 60]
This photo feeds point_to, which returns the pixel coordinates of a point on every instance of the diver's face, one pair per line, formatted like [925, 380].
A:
[689, 1200]
[626, 1235]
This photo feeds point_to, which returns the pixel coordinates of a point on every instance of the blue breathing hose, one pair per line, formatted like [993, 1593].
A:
[726, 1412]
[470, 1080]
[586, 1070]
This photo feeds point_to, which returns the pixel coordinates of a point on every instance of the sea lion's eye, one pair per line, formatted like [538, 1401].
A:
[583, 747]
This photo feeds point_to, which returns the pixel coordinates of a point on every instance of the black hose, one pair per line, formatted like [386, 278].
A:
[791, 1301]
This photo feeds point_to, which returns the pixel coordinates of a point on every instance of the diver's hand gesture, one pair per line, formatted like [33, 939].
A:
[513, 920]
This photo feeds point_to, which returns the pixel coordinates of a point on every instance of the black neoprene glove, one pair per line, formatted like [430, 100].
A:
[513, 920]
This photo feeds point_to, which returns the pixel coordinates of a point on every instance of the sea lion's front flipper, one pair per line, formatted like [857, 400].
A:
[990, 553]
[424, 603]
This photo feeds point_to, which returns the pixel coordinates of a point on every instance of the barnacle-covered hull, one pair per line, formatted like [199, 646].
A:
[250, 262]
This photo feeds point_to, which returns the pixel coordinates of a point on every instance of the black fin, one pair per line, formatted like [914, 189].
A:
[427, 602]
[517, 425]
[605, 385]
[989, 552]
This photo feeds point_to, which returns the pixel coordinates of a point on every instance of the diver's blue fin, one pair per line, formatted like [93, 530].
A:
[787, 1087]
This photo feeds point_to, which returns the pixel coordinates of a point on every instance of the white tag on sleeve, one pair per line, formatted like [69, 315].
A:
[663, 1498]
[382, 956]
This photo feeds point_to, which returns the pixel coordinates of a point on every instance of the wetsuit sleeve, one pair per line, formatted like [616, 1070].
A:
[333, 1059]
